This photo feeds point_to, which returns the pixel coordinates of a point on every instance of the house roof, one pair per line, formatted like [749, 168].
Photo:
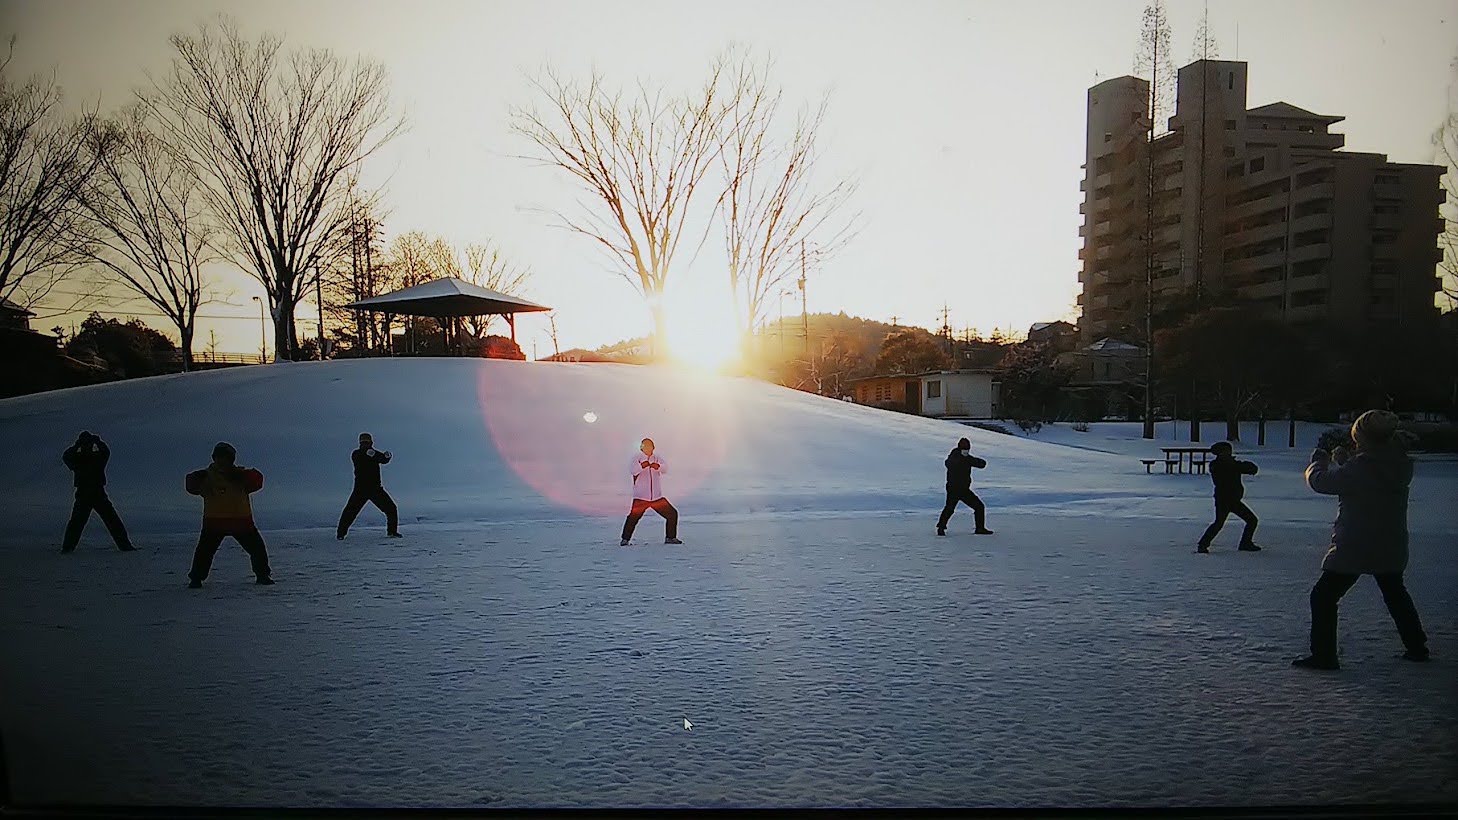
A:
[7, 306]
[1287, 111]
[447, 297]
[1037, 326]
[1112, 344]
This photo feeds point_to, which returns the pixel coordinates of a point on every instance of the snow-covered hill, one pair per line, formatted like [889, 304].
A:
[478, 440]
[827, 647]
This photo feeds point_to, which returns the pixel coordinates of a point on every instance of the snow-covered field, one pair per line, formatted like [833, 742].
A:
[827, 647]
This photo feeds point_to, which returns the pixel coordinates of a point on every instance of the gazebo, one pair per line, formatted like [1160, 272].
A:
[449, 298]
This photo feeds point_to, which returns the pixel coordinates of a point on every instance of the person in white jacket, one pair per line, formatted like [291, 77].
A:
[647, 470]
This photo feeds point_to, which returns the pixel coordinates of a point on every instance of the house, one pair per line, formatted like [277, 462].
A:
[1107, 361]
[13, 316]
[900, 392]
[1060, 335]
[1105, 379]
[968, 393]
[971, 393]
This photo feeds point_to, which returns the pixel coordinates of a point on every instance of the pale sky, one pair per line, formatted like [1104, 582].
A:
[963, 121]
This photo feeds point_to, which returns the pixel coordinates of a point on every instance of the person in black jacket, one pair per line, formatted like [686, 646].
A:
[1225, 472]
[87, 460]
[367, 487]
[959, 487]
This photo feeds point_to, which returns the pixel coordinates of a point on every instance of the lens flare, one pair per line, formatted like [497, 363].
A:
[531, 412]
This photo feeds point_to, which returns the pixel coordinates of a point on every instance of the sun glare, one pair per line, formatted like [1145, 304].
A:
[703, 339]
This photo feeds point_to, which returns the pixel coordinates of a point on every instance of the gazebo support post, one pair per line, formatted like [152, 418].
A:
[511, 321]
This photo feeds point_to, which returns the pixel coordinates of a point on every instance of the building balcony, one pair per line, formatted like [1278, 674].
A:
[1272, 203]
[1306, 253]
[1310, 222]
[1256, 235]
[1308, 193]
[1244, 269]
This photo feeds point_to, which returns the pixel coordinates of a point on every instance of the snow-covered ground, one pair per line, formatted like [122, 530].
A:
[827, 647]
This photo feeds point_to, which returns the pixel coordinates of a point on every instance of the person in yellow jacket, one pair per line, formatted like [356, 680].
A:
[224, 487]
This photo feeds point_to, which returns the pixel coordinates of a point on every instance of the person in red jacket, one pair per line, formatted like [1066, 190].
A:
[225, 487]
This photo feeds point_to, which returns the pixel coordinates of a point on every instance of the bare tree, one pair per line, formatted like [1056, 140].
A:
[355, 274]
[1204, 48]
[1445, 153]
[488, 267]
[45, 163]
[147, 218]
[275, 139]
[1152, 60]
[640, 161]
[770, 206]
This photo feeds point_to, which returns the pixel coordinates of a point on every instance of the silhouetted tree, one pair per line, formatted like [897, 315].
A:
[147, 219]
[275, 140]
[1031, 380]
[770, 206]
[640, 159]
[907, 351]
[45, 164]
[130, 349]
[1152, 60]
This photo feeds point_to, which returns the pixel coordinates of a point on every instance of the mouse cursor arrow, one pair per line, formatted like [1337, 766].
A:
[687, 726]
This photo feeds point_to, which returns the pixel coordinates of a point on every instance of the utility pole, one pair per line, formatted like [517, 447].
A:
[804, 314]
[319, 297]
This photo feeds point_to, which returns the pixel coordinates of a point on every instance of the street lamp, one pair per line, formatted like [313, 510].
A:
[262, 332]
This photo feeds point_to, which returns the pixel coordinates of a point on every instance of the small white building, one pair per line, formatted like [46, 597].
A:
[970, 394]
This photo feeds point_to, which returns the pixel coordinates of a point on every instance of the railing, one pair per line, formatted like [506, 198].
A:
[206, 357]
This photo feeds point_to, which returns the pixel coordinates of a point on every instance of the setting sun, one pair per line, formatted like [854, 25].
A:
[703, 335]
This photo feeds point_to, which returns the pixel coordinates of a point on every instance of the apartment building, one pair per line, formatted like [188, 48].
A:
[1257, 203]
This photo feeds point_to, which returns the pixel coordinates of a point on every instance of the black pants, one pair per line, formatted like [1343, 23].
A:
[1223, 509]
[662, 507]
[966, 496]
[376, 496]
[86, 501]
[1328, 593]
[209, 541]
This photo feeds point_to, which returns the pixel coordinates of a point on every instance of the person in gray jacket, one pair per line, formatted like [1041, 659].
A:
[1369, 536]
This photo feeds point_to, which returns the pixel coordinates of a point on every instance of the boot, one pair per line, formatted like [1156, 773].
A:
[194, 584]
[672, 541]
[1202, 549]
[1248, 546]
[265, 581]
[1313, 662]
[1416, 655]
[623, 543]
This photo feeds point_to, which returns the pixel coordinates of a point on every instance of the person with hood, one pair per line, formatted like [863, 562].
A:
[1369, 536]
[87, 460]
[225, 487]
[1225, 473]
[367, 487]
[959, 465]
[647, 469]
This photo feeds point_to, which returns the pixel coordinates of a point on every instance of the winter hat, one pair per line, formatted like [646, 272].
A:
[964, 444]
[224, 452]
[1222, 448]
[363, 437]
[1374, 427]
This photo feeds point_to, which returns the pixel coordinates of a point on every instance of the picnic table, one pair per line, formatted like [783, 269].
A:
[1175, 459]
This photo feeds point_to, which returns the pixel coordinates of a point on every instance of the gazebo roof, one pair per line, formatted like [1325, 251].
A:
[447, 297]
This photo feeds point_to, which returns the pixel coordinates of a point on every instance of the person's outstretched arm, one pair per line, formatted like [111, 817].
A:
[1247, 467]
[194, 482]
[979, 463]
[382, 456]
[70, 455]
[252, 480]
